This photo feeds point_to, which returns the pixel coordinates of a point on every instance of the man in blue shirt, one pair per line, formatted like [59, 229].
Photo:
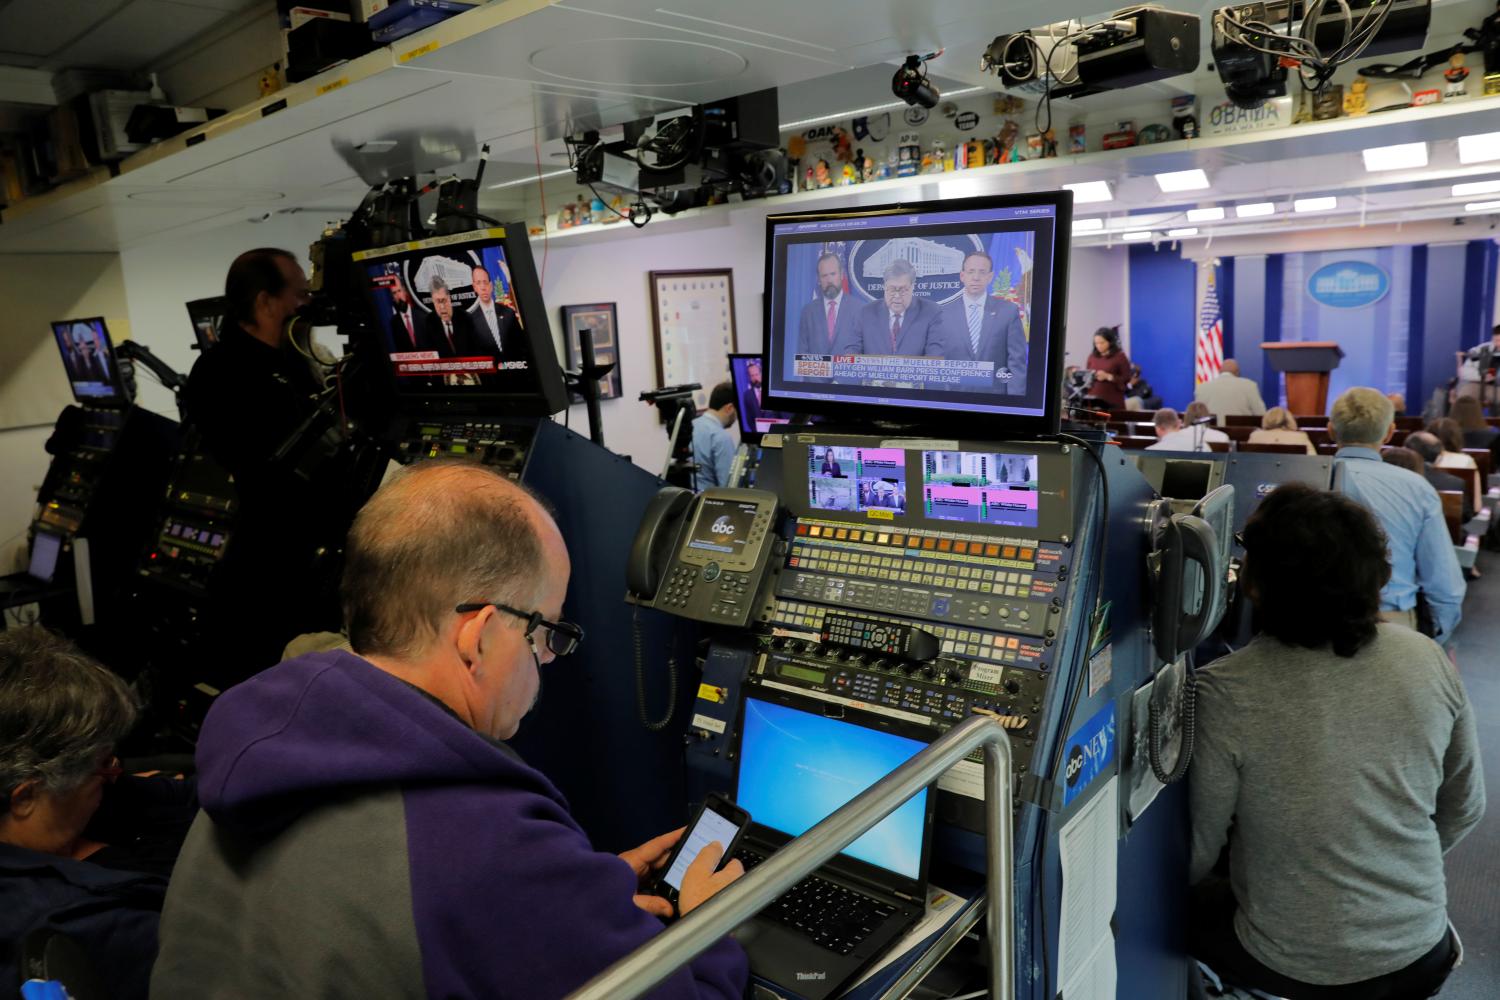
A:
[713, 448]
[1421, 551]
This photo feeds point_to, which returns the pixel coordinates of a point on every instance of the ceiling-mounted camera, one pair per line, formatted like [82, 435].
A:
[1072, 59]
[911, 83]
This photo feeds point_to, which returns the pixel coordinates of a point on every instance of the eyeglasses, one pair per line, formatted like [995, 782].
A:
[562, 637]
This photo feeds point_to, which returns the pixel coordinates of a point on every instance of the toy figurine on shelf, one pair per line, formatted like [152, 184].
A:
[908, 155]
[867, 164]
[810, 180]
[566, 217]
[848, 175]
[932, 162]
[843, 146]
[1185, 116]
[1009, 143]
[1328, 103]
[1078, 139]
[822, 178]
[1355, 102]
[1457, 75]
[583, 212]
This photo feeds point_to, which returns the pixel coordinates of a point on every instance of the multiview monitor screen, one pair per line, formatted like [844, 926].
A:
[88, 356]
[461, 317]
[924, 313]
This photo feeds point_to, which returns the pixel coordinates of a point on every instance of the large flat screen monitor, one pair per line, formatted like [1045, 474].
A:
[462, 322]
[88, 356]
[923, 314]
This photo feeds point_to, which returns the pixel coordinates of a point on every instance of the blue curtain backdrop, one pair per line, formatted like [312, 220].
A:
[1163, 321]
[1441, 299]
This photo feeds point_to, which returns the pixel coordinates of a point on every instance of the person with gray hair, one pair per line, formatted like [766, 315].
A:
[1173, 436]
[901, 323]
[449, 331]
[366, 833]
[61, 716]
[1421, 551]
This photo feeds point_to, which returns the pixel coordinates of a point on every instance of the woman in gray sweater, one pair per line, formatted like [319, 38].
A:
[1337, 761]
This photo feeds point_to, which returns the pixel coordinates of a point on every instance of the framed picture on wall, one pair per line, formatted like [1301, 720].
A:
[692, 322]
[599, 318]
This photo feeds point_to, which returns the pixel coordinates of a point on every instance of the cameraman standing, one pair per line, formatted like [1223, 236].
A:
[248, 397]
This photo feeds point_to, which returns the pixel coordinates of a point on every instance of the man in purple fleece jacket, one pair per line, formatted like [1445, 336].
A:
[365, 834]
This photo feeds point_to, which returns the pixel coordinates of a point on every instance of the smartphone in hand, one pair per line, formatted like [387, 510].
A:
[717, 819]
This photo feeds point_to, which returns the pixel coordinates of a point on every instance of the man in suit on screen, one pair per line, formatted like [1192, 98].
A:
[832, 316]
[979, 327]
[902, 323]
[448, 332]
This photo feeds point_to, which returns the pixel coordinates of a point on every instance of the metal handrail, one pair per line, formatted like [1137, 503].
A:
[664, 954]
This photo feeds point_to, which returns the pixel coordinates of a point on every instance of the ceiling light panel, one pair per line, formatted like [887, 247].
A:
[1182, 180]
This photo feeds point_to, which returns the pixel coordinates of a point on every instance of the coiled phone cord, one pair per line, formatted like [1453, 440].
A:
[640, 678]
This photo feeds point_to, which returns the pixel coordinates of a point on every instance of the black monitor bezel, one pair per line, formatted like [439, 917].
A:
[550, 390]
[121, 397]
[916, 418]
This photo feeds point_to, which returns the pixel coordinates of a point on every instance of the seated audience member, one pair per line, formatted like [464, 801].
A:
[1470, 417]
[1402, 458]
[365, 832]
[1407, 508]
[1228, 394]
[1172, 436]
[1429, 449]
[1336, 820]
[1138, 393]
[1278, 426]
[61, 715]
[1451, 436]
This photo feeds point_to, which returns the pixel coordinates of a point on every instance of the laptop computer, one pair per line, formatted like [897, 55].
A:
[794, 766]
[45, 549]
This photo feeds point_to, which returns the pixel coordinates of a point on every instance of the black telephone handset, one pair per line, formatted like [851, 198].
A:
[655, 540]
[704, 557]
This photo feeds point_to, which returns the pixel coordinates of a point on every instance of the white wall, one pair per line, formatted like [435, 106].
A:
[1098, 295]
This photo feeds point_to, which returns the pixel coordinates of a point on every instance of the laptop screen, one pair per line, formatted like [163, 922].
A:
[796, 768]
[44, 552]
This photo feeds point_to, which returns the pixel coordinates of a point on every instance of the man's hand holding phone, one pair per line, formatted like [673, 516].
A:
[704, 878]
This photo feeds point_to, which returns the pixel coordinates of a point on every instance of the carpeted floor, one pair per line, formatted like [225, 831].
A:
[1474, 865]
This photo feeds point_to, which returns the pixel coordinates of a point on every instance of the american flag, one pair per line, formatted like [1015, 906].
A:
[1208, 349]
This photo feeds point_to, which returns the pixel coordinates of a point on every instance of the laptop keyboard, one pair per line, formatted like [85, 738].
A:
[826, 913]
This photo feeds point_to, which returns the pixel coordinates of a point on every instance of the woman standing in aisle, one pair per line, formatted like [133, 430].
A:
[1111, 368]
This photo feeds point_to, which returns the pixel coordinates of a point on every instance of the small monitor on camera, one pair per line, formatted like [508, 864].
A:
[923, 314]
[461, 321]
[88, 356]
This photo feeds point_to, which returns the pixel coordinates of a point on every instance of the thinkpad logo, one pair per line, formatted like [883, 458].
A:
[802, 976]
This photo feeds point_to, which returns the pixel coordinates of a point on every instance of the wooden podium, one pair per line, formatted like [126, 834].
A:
[1306, 367]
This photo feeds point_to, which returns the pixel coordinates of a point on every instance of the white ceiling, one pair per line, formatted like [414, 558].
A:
[125, 35]
[518, 73]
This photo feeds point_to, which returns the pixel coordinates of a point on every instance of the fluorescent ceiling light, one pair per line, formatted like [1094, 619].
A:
[1213, 214]
[1133, 237]
[1182, 234]
[1403, 156]
[1087, 225]
[528, 180]
[1182, 180]
[1087, 191]
[872, 109]
[1315, 204]
[1475, 187]
[1482, 206]
[1255, 210]
[1479, 148]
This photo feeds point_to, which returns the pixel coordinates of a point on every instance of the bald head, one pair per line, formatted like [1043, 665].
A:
[438, 535]
[1426, 445]
[1231, 366]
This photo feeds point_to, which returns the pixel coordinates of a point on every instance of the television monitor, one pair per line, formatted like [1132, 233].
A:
[207, 317]
[88, 356]
[45, 548]
[462, 322]
[749, 387]
[924, 314]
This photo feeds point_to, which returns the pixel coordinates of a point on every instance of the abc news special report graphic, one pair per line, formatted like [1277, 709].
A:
[449, 314]
[943, 310]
